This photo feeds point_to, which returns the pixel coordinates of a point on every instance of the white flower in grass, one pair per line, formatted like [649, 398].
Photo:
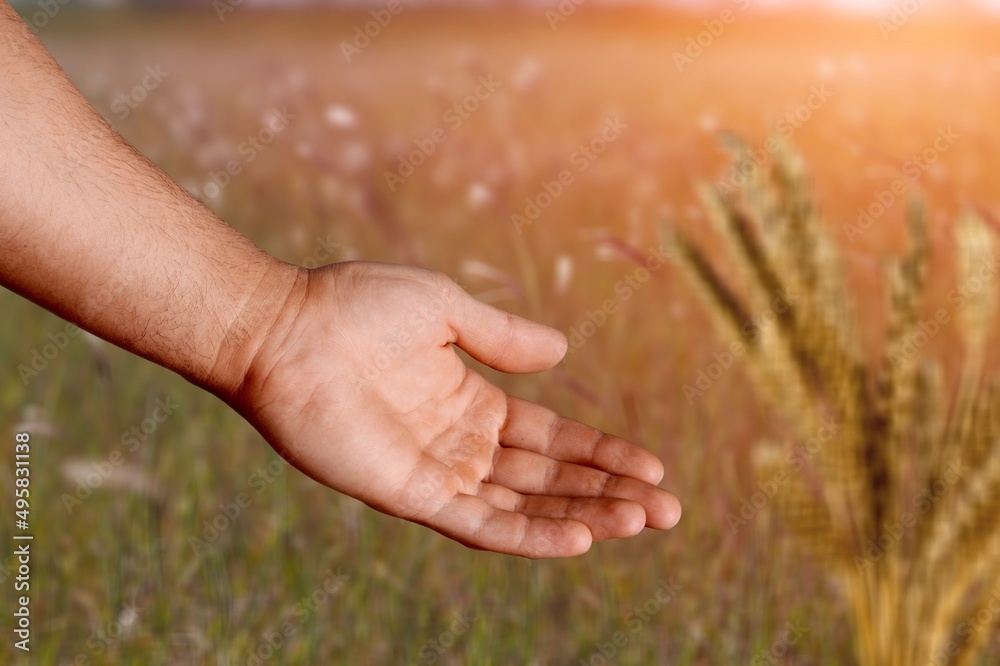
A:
[708, 123]
[36, 423]
[564, 273]
[827, 67]
[479, 196]
[526, 75]
[340, 116]
[355, 156]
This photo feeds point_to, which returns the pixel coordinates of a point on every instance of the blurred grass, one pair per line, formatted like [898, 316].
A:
[319, 180]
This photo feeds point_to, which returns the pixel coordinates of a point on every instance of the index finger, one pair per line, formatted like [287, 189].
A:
[534, 428]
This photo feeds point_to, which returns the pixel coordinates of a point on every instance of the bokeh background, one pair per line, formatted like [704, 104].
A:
[637, 102]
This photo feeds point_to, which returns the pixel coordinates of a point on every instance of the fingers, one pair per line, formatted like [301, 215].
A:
[535, 428]
[535, 474]
[474, 522]
[606, 518]
[503, 341]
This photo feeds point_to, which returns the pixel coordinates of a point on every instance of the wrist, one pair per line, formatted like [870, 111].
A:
[273, 296]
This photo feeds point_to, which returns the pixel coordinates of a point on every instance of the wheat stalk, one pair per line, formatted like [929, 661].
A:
[899, 431]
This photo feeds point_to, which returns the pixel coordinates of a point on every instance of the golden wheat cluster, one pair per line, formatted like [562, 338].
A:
[901, 506]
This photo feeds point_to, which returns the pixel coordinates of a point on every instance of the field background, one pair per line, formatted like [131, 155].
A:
[116, 580]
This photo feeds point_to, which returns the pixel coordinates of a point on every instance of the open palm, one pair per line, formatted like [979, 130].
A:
[359, 386]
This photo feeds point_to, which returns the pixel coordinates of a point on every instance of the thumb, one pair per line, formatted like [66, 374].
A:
[504, 341]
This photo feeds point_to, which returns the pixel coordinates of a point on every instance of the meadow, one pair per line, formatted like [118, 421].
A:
[540, 168]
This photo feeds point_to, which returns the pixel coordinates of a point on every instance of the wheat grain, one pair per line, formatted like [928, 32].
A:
[899, 429]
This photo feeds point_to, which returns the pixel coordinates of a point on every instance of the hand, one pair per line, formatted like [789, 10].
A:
[348, 371]
[357, 385]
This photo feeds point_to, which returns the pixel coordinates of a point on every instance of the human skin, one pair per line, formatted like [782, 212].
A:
[349, 371]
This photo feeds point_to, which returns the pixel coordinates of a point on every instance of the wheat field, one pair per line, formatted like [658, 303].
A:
[575, 159]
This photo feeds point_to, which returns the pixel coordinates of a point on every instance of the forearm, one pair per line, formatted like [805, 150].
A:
[113, 244]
